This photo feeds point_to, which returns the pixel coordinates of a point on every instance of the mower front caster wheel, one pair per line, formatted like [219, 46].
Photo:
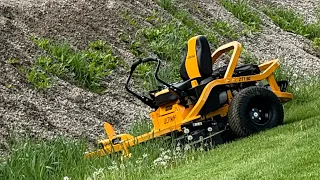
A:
[254, 109]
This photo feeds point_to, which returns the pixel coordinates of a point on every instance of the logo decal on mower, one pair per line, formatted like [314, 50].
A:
[244, 79]
[191, 56]
[169, 119]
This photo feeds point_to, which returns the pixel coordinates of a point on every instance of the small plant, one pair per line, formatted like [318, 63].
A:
[38, 78]
[14, 61]
[167, 5]
[316, 43]
[241, 10]
[154, 18]
[136, 48]
[140, 126]
[249, 58]
[224, 29]
[130, 19]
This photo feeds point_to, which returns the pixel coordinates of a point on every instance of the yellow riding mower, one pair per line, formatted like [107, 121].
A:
[242, 99]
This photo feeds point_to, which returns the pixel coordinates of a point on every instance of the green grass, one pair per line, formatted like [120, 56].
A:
[286, 152]
[289, 151]
[59, 158]
[84, 68]
[185, 17]
[241, 10]
[54, 159]
[166, 39]
[224, 29]
[168, 42]
[291, 21]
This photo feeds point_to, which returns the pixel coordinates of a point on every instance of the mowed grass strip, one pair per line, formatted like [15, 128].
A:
[290, 151]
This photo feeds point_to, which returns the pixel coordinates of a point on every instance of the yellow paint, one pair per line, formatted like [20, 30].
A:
[161, 92]
[194, 83]
[109, 130]
[191, 63]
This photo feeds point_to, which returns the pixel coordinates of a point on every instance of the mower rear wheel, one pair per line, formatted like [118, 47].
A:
[254, 109]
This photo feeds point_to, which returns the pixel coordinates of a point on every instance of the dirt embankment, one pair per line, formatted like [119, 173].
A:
[72, 111]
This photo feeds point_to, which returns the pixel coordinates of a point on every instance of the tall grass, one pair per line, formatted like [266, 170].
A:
[55, 159]
[62, 158]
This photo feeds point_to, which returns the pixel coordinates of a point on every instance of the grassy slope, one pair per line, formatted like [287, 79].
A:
[286, 151]
[290, 151]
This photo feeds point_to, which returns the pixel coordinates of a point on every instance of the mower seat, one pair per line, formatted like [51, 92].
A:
[183, 85]
[196, 66]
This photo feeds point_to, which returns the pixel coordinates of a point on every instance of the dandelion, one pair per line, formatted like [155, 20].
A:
[145, 155]
[113, 168]
[122, 166]
[186, 147]
[138, 161]
[66, 178]
[166, 157]
[163, 163]
[160, 162]
[97, 174]
[157, 160]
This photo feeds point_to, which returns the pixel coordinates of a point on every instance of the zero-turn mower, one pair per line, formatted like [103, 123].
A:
[242, 99]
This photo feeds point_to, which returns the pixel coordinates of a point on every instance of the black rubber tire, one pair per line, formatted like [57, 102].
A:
[241, 118]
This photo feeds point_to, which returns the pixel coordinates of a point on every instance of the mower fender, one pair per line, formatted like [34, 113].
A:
[109, 130]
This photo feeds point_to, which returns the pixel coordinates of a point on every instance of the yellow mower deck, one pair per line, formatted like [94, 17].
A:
[169, 117]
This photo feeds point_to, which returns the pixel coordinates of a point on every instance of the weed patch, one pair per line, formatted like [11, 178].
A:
[84, 68]
[291, 21]
[241, 10]
[224, 29]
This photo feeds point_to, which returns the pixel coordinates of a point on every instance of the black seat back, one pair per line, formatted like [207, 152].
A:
[197, 59]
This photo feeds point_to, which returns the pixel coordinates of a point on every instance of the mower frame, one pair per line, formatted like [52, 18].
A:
[170, 117]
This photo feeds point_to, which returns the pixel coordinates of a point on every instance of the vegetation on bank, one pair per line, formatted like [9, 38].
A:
[85, 68]
[241, 10]
[291, 21]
